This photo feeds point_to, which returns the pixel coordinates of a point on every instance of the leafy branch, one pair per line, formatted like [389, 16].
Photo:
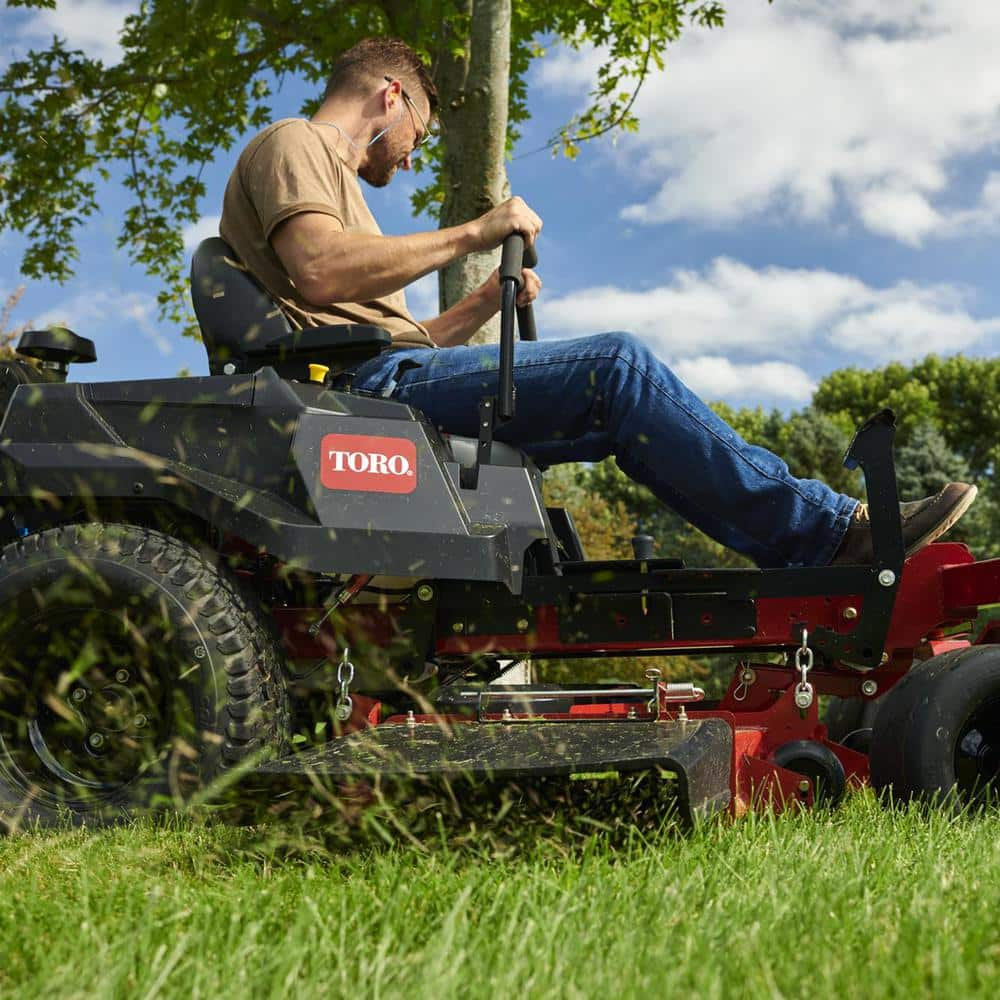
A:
[196, 77]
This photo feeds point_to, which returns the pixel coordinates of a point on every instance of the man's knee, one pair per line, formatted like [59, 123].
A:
[627, 349]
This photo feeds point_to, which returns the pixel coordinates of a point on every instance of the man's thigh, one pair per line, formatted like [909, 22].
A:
[557, 385]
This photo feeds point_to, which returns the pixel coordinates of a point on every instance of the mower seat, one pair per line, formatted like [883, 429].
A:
[244, 330]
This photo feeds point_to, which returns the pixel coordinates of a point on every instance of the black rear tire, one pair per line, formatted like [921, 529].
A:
[133, 673]
[937, 733]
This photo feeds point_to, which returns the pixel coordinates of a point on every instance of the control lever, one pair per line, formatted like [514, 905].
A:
[514, 257]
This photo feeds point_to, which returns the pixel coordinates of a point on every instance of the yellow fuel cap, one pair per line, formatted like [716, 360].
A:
[317, 373]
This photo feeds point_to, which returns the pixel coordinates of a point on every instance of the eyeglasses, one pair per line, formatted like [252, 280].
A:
[430, 129]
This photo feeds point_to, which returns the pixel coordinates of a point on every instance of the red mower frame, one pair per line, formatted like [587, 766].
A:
[851, 632]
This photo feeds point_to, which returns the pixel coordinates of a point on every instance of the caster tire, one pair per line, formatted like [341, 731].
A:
[819, 764]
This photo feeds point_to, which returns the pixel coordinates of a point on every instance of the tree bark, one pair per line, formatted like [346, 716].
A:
[473, 88]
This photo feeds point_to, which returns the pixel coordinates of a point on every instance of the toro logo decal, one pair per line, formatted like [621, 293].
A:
[368, 464]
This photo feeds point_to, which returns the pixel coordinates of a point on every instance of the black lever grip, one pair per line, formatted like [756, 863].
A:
[514, 257]
[511, 259]
[526, 323]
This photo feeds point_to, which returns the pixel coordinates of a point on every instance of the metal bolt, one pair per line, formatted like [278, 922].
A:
[229, 369]
[411, 720]
[79, 694]
[424, 592]
[632, 713]
[869, 688]
[122, 676]
[850, 613]
[140, 721]
[96, 740]
[522, 624]
[457, 627]
[804, 786]
[887, 578]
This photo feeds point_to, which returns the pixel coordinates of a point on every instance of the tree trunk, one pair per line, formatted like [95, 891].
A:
[474, 91]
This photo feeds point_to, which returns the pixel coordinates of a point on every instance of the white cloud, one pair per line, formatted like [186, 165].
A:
[195, 232]
[713, 377]
[792, 107]
[729, 307]
[905, 330]
[903, 214]
[86, 312]
[90, 25]
[773, 323]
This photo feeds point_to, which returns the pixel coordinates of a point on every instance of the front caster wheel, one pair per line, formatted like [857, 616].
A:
[132, 674]
[819, 764]
[937, 734]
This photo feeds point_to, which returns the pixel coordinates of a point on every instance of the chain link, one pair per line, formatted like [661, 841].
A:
[803, 664]
[345, 675]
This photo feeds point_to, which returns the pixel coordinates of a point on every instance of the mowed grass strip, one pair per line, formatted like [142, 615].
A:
[858, 901]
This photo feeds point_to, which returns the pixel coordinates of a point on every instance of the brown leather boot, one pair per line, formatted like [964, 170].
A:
[923, 522]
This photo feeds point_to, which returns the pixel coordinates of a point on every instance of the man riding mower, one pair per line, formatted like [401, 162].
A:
[176, 550]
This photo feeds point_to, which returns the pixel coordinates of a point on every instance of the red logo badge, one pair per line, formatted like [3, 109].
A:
[368, 464]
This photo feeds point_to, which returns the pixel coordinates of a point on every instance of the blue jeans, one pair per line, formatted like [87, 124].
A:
[582, 400]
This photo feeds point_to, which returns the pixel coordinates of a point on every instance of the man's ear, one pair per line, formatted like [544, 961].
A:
[392, 90]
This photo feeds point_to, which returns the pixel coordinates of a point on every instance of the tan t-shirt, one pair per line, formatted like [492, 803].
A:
[291, 167]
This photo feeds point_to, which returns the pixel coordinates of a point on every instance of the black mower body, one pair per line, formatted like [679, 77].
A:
[328, 482]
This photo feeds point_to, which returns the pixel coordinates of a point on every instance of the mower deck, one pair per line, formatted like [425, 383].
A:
[698, 753]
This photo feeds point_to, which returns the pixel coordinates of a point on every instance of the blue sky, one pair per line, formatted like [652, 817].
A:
[816, 185]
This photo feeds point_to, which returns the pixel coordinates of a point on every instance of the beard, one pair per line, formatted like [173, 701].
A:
[377, 177]
[381, 166]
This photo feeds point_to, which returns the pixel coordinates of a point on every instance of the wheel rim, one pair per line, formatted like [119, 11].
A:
[977, 753]
[88, 704]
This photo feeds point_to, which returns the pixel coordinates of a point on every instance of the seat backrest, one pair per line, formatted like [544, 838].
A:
[235, 314]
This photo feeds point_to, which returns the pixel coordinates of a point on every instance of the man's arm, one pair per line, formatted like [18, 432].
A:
[329, 265]
[462, 320]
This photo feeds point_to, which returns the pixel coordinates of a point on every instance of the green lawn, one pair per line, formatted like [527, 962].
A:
[856, 902]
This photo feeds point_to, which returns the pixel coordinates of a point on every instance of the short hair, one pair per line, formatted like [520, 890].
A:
[370, 60]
